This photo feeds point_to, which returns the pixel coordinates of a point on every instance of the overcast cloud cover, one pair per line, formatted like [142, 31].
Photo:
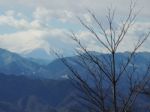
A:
[26, 25]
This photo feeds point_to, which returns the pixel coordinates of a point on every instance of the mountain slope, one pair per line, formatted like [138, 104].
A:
[58, 69]
[38, 53]
[22, 94]
[12, 63]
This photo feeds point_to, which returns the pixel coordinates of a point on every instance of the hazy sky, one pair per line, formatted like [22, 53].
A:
[30, 24]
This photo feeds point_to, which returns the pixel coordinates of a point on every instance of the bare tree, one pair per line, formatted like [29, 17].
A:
[101, 90]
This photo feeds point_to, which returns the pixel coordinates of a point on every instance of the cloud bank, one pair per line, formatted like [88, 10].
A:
[44, 23]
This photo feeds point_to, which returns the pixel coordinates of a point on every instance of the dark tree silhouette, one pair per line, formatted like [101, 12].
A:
[102, 89]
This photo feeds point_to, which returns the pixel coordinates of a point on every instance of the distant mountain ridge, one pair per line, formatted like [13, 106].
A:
[38, 53]
[27, 85]
[57, 68]
[12, 63]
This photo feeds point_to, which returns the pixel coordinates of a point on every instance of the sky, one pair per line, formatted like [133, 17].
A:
[26, 25]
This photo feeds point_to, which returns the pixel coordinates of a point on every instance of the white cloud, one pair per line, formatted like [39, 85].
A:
[141, 27]
[36, 31]
[10, 19]
[28, 40]
[137, 31]
[46, 15]
[23, 41]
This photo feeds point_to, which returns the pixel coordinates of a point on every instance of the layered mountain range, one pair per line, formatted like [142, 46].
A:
[12, 63]
[36, 85]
